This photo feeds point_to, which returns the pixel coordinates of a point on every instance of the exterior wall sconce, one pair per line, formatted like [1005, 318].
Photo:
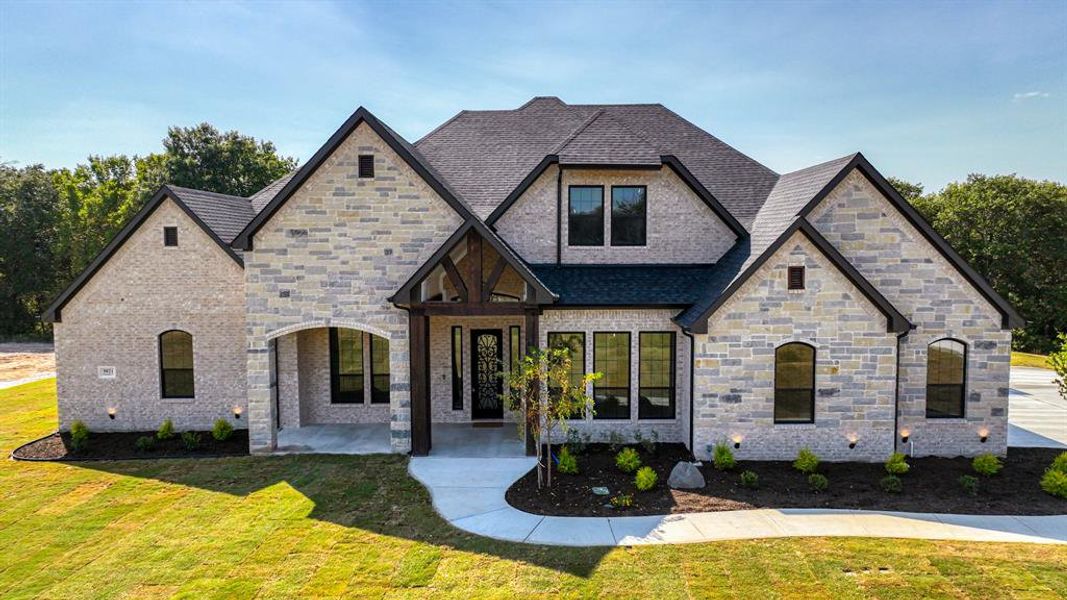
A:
[852, 439]
[737, 441]
[983, 435]
[237, 412]
[904, 435]
[111, 410]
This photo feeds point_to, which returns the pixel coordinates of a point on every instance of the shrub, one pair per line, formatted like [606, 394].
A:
[627, 460]
[891, 484]
[191, 440]
[79, 436]
[568, 465]
[222, 430]
[614, 442]
[986, 464]
[969, 483]
[896, 464]
[1055, 483]
[166, 430]
[818, 482]
[622, 501]
[145, 443]
[645, 479]
[1059, 463]
[722, 457]
[749, 479]
[806, 462]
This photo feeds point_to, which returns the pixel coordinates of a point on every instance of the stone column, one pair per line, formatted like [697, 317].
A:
[262, 433]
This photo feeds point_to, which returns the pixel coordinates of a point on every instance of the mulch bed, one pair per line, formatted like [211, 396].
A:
[930, 486]
[122, 446]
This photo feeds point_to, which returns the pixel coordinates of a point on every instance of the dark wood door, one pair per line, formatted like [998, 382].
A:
[486, 386]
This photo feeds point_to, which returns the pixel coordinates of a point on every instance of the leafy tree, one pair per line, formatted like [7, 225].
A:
[1058, 360]
[28, 222]
[910, 191]
[204, 158]
[1011, 229]
[541, 389]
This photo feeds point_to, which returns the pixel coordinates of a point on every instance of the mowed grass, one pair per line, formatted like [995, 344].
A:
[1023, 359]
[316, 526]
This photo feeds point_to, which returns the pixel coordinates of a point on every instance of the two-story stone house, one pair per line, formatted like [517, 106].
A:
[387, 282]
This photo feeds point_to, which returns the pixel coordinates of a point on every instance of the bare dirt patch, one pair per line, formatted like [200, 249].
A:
[20, 360]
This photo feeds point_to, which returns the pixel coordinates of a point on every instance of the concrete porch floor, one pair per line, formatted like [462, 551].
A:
[453, 440]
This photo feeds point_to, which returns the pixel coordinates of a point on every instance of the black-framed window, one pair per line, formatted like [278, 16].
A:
[946, 374]
[170, 236]
[379, 370]
[176, 364]
[575, 343]
[611, 393]
[346, 366]
[585, 225]
[366, 166]
[515, 346]
[796, 278]
[457, 367]
[656, 377]
[794, 383]
[629, 208]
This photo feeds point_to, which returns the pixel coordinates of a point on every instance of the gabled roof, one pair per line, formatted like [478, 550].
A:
[219, 209]
[626, 285]
[223, 214]
[603, 141]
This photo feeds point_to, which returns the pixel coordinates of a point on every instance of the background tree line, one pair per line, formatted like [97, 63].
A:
[1011, 229]
[54, 221]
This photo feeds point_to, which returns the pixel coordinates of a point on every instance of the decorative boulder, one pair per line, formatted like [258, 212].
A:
[685, 476]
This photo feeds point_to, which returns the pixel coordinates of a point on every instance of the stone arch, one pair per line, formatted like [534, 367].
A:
[329, 322]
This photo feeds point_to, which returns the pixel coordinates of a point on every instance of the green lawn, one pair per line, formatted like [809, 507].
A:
[285, 527]
[1023, 359]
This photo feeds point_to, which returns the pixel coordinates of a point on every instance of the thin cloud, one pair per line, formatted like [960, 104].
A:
[1019, 97]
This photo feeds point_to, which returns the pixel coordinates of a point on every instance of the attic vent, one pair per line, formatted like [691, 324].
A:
[170, 236]
[366, 165]
[796, 278]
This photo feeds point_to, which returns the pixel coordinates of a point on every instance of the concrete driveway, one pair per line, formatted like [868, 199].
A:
[1037, 415]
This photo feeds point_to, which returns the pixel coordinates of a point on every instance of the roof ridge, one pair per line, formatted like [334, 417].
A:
[574, 134]
[199, 191]
[846, 158]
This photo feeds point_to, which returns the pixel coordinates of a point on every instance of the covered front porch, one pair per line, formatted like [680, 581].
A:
[451, 440]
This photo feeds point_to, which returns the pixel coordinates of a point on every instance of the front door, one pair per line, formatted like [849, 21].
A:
[486, 385]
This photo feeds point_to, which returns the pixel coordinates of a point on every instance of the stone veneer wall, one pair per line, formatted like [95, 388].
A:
[116, 318]
[680, 227]
[914, 276]
[634, 322]
[854, 373]
[338, 249]
[441, 363]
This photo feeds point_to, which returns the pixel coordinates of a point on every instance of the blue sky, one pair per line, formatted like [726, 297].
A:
[927, 91]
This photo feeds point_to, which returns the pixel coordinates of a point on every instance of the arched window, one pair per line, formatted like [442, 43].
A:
[946, 371]
[176, 364]
[794, 383]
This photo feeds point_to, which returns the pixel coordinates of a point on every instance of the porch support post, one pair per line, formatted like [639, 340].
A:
[419, 332]
[533, 337]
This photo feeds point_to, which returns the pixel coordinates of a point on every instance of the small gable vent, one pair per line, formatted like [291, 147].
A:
[796, 278]
[170, 236]
[366, 165]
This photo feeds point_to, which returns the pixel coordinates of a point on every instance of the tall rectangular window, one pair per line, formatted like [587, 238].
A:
[585, 226]
[655, 396]
[515, 346]
[379, 370]
[346, 366]
[575, 343]
[611, 394]
[628, 212]
[457, 368]
[176, 364]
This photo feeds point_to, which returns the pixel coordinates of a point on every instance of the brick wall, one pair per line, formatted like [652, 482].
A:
[441, 363]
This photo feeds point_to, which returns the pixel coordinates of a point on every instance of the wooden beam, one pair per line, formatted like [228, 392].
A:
[474, 256]
[472, 310]
[419, 339]
[494, 278]
[455, 278]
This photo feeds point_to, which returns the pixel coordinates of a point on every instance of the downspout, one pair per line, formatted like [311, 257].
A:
[896, 394]
[692, 392]
[559, 214]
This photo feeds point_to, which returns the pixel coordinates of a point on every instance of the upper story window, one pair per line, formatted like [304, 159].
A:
[946, 367]
[366, 166]
[796, 278]
[585, 226]
[170, 236]
[794, 383]
[346, 366]
[628, 215]
[176, 364]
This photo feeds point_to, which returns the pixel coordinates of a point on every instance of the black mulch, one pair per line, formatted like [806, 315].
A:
[122, 446]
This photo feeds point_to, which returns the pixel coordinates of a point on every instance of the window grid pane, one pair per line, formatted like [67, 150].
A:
[656, 376]
[628, 216]
[176, 364]
[585, 226]
[611, 394]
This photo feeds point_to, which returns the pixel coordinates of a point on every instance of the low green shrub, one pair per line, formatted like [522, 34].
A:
[818, 482]
[222, 430]
[897, 464]
[986, 464]
[1055, 483]
[1059, 463]
[622, 501]
[627, 460]
[645, 479]
[806, 462]
[891, 484]
[79, 436]
[145, 443]
[969, 483]
[723, 457]
[568, 465]
[191, 440]
[166, 430]
[749, 479]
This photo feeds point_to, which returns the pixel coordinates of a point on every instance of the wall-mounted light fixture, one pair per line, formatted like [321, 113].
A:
[904, 435]
[852, 439]
[237, 412]
[737, 441]
[111, 410]
[983, 435]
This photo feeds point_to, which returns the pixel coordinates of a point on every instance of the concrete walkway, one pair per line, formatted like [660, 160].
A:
[469, 493]
[1037, 414]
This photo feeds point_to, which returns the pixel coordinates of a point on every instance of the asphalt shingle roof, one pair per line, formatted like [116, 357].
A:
[600, 285]
[225, 215]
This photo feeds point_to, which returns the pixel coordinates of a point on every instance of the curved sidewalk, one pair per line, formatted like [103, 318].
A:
[469, 494]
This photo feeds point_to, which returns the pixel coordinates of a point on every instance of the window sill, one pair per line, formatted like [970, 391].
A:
[188, 400]
[794, 425]
[947, 419]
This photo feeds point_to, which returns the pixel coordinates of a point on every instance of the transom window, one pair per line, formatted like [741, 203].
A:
[946, 370]
[575, 343]
[585, 226]
[655, 395]
[346, 366]
[794, 383]
[628, 215]
[611, 393]
[176, 364]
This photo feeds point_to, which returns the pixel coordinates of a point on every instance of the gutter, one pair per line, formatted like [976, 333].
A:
[692, 392]
[896, 391]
